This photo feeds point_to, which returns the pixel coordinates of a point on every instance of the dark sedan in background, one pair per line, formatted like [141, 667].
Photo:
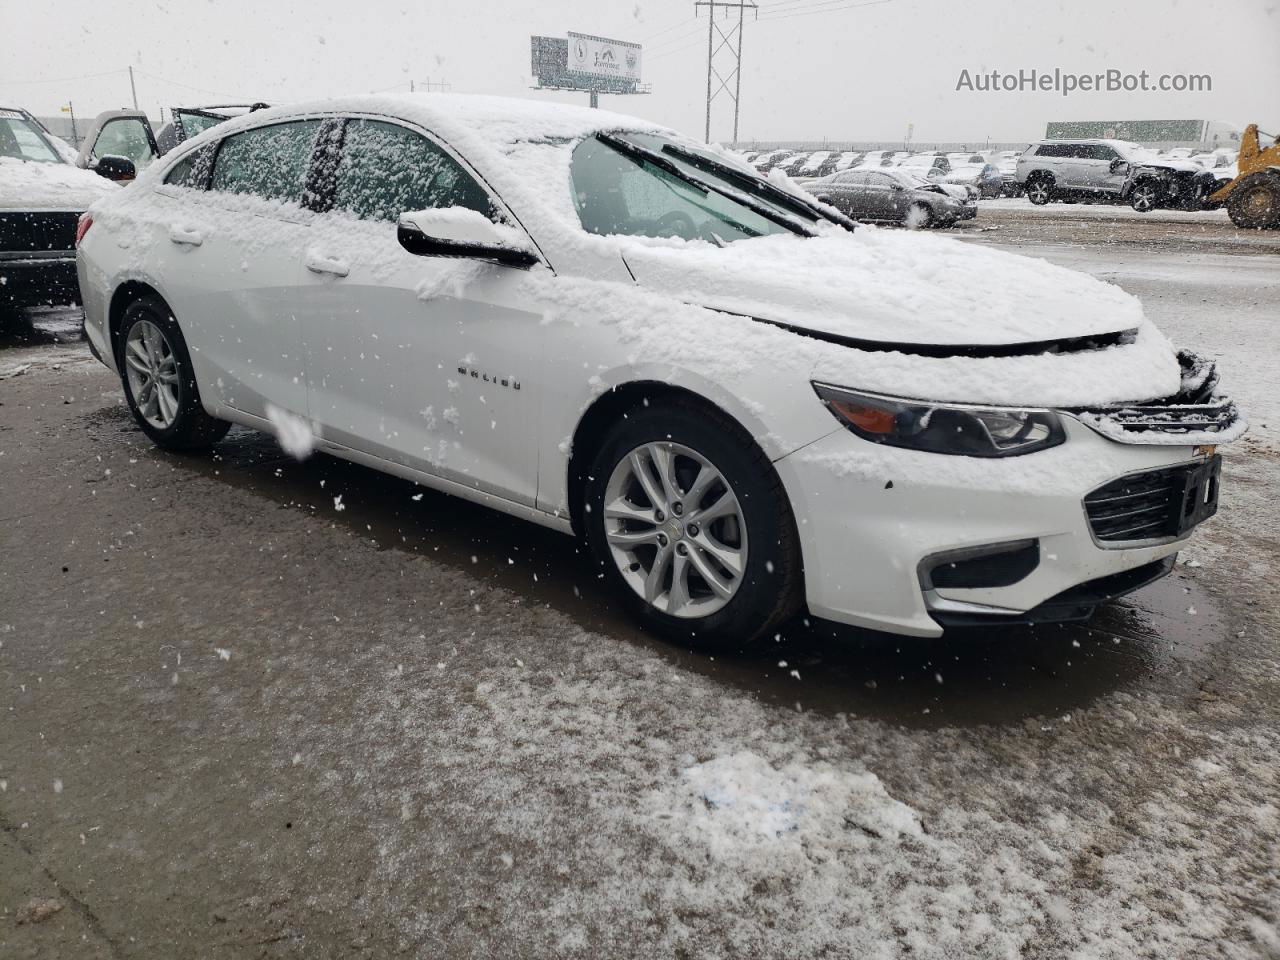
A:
[895, 195]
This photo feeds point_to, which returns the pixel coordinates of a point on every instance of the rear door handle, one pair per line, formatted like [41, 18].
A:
[319, 264]
[189, 238]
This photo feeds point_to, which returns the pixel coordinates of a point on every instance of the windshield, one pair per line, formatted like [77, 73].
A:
[650, 193]
[909, 180]
[194, 123]
[22, 140]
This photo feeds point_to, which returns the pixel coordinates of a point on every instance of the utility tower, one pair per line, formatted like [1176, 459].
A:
[729, 31]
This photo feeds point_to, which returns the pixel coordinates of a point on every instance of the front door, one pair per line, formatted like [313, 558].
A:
[119, 133]
[423, 361]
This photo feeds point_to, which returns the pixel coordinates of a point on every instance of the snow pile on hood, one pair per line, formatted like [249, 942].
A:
[27, 185]
[741, 801]
[890, 286]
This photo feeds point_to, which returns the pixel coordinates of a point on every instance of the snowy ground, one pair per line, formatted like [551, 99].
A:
[240, 723]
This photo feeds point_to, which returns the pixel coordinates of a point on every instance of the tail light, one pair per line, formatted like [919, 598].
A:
[82, 226]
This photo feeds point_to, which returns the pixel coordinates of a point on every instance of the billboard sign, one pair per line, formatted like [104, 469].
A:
[606, 59]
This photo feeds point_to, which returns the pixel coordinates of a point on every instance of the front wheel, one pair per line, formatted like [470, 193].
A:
[1254, 204]
[159, 382]
[689, 522]
[919, 217]
[1145, 196]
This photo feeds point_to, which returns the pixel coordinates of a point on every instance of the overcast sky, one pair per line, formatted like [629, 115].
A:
[812, 68]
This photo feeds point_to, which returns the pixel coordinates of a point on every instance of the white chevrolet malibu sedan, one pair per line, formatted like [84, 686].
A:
[746, 407]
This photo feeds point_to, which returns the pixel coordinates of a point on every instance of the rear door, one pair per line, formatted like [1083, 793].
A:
[232, 260]
[1089, 166]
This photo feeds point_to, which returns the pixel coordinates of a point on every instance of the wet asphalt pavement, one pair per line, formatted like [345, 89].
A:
[240, 722]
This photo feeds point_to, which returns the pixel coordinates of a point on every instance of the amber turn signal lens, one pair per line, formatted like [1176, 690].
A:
[870, 419]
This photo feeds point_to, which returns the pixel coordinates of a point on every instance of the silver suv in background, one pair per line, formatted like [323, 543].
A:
[1112, 171]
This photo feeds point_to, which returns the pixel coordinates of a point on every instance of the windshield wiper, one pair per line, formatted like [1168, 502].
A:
[637, 152]
[755, 184]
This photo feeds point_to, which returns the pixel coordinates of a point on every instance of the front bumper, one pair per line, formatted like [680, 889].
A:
[869, 515]
[33, 278]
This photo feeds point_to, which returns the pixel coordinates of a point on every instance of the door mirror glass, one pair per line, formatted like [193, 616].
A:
[463, 232]
[1118, 165]
[114, 168]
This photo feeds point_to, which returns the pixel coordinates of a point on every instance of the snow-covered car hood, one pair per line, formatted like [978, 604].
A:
[957, 190]
[890, 287]
[27, 185]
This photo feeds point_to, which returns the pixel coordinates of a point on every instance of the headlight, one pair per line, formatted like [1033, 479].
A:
[941, 427]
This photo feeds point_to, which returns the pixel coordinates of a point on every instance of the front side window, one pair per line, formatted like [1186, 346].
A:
[20, 139]
[387, 170]
[269, 162]
[126, 137]
[620, 194]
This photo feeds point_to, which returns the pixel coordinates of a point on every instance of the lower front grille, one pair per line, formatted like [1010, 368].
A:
[38, 231]
[1155, 504]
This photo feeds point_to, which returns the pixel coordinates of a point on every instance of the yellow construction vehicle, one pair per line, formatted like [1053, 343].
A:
[1253, 197]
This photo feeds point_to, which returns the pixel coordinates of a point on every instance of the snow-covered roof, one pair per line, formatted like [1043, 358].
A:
[497, 121]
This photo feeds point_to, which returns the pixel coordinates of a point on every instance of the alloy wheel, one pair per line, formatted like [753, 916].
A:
[675, 529]
[1144, 198]
[1038, 192]
[152, 369]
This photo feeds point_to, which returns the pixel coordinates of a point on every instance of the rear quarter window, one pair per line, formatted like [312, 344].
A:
[193, 170]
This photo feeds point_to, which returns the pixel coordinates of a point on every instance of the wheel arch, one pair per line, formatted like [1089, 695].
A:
[129, 292]
[605, 410]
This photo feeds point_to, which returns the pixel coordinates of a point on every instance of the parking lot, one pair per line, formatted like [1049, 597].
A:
[243, 722]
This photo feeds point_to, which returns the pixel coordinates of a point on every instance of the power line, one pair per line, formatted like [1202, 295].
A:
[187, 86]
[87, 76]
[667, 46]
[834, 6]
[681, 23]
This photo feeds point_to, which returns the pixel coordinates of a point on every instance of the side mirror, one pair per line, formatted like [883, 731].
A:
[463, 232]
[114, 168]
[1118, 165]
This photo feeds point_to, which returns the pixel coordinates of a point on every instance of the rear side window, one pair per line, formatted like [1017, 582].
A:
[1053, 150]
[268, 162]
[193, 170]
[387, 170]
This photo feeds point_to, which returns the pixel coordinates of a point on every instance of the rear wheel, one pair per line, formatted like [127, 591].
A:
[159, 382]
[689, 522]
[1040, 189]
[1254, 204]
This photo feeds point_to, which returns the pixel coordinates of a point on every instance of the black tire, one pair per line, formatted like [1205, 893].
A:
[770, 590]
[1146, 195]
[919, 217]
[1039, 189]
[1254, 203]
[192, 428]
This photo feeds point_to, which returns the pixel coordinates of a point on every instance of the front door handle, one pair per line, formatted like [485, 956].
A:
[185, 237]
[319, 264]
